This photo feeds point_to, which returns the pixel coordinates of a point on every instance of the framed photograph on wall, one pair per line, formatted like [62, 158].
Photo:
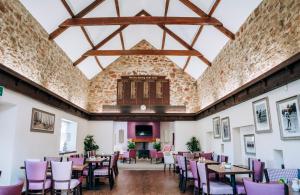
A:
[42, 121]
[216, 127]
[249, 141]
[225, 128]
[261, 113]
[289, 118]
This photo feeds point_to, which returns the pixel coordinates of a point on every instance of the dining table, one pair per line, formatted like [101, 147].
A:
[232, 171]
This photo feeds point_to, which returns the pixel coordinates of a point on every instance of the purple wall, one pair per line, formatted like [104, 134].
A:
[131, 129]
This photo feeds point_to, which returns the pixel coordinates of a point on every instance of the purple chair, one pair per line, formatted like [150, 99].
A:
[186, 173]
[36, 181]
[211, 187]
[258, 170]
[12, 189]
[154, 154]
[179, 170]
[62, 178]
[253, 188]
[197, 187]
[76, 160]
[207, 156]
[106, 171]
[115, 163]
[131, 154]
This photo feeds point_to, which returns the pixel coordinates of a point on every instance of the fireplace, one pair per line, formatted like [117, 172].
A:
[142, 149]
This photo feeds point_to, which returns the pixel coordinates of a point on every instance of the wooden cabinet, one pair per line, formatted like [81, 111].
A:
[148, 90]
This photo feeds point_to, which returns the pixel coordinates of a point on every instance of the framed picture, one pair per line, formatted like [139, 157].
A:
[225, 127]
[261, 113]
[42, 121]
[289, 118]
[216, 127]
[249, 141]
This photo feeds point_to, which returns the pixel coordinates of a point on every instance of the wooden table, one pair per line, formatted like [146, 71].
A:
[220, 169]
[209, 162]
[90, 162]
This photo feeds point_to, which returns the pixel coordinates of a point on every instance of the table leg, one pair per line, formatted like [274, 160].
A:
[233, 183]
[90, 183]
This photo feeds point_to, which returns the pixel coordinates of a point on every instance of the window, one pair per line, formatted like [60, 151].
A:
[133, 90]
[68, 136]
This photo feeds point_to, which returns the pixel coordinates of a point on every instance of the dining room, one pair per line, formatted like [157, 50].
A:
[149, 97]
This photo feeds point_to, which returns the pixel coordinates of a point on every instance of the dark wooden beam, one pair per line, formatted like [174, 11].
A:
[201, 13]
[140, 20]
[212, 10]
[164, 32]
[104, 41]
[118, 14]
[82, 13]
[142, 52]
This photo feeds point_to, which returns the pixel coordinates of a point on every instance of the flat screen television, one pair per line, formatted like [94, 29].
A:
[143, 130]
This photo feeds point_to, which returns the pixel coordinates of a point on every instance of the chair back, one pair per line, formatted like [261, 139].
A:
[178, 161]
[132, 153]
[207, 156]
[61, 171]
[188, 155]
[35, 170]
[253, 188]
[153, 153]
[202, 172]
[12, 189]
[193, 165]
[111, 161]
[258, 170]
[167, 148]
[76, 160]
[183, 163]
[168, 158]
[116, 158]
[276, 174]
[222, 158]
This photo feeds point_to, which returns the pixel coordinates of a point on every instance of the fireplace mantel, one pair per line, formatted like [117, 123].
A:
[143, 139]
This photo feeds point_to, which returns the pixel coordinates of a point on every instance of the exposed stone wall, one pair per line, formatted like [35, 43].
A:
[103, 88]
[270, 35]
[25, 48]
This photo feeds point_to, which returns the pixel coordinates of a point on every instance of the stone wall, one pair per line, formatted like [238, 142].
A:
[25, 48]
[103, 88]
[270, 35]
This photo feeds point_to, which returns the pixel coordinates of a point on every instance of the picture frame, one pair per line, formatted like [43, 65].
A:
[262, 117]
[249, 143]
[42, 121]
[216, 127]
[288, 112]
[225, 128]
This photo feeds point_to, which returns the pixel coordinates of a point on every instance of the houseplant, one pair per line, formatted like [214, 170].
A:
[193, 145]
[90, 144]
[157, 146]
[131, 145]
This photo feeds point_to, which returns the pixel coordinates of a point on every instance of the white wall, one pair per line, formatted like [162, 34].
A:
[184, 130]
[103, 132]
[241, 117]
[17, 139]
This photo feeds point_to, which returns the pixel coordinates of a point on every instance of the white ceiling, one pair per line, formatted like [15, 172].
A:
[50, 13]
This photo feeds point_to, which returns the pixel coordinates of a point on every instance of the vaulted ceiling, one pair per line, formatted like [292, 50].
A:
[94, 33]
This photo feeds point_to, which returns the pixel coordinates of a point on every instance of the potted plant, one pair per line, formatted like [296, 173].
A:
[193, 145]
[131, 145]
[90, 144]
[157, 146]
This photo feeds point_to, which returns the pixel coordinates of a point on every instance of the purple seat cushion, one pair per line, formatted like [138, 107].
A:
[39, 185]
[189, 174]
[218, 188]
[101, 172]
[64, 185]
[240, 189]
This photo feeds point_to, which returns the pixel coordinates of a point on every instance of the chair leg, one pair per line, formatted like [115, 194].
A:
[164, 167]
[184, 184]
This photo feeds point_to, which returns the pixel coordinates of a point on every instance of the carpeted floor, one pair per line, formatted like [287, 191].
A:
[141, 164]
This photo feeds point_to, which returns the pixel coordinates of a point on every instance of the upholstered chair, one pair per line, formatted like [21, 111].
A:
[12, 189]
[253, 188]
[207, 156]
[154, 154]
[36, 181]
[186, 173]
[62, 178]
[258, 170]
[106, 171]
[128, 155]
[194, 170]
[168, 160]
